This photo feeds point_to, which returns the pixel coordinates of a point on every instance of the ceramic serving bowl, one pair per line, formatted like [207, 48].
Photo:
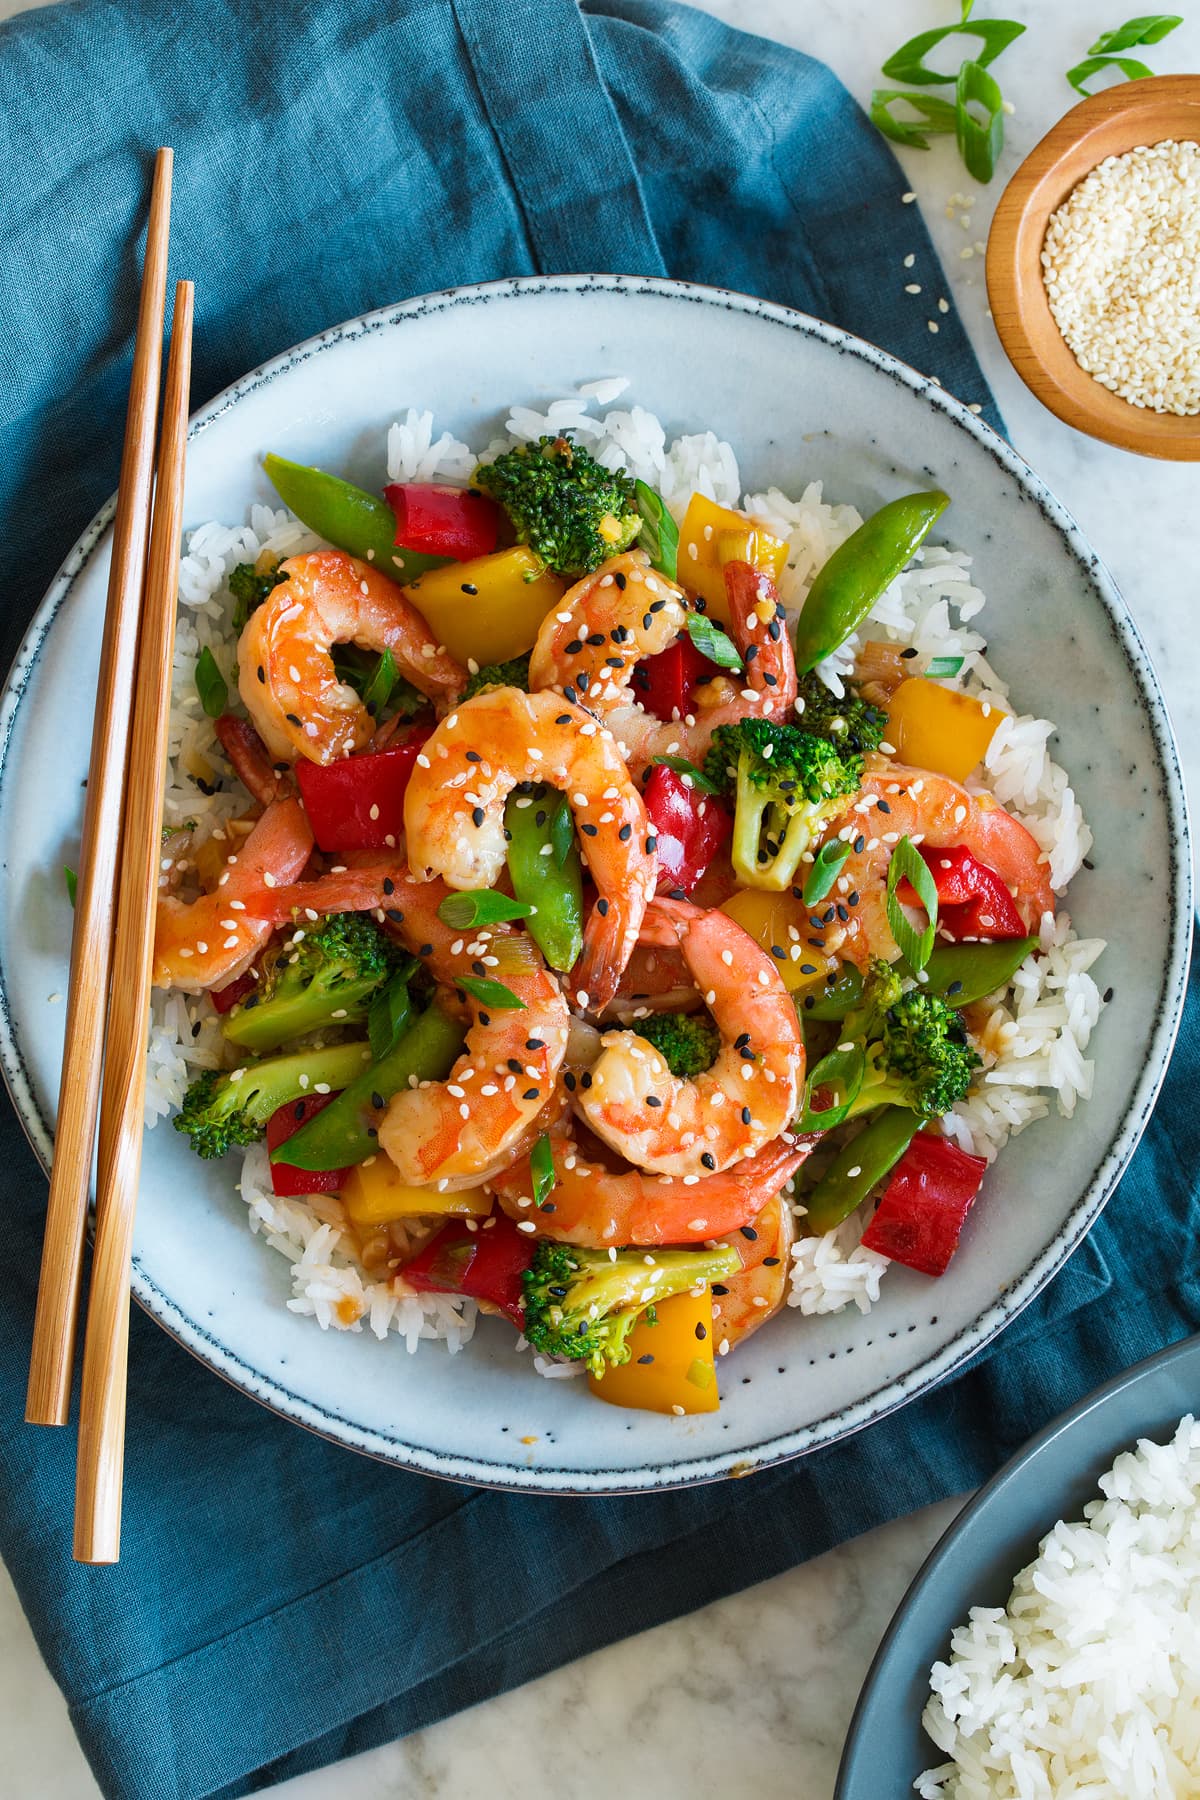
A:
[977, 1561]
[800, 401]
[1108, 124]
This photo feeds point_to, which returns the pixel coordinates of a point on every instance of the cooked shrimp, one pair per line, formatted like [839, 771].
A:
[601, 629]
[252, 762]
[659, 1121]
[766, 686]
[656, 979]
[896, 801]
[596, 1205]
[452, 1133]
[209, 942]
[286, 675]
[454, 814]
[748, 1299]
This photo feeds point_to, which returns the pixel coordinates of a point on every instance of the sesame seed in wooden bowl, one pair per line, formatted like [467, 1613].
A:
[1119, 244]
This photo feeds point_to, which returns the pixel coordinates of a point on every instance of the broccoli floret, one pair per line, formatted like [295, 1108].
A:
[514, 674]
[849, 724]
[917, 1052]
[222, 1110]
[569, 509]
[582, 1304]
[337, 968]
[250, 587]
[688, 1042]
[786, 784]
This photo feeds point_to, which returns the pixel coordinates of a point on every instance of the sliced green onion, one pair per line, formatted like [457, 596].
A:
[968, 7]
[72, 884]
[391, 1013]
[908, 62]
[827, 866]
[480, 906]
[907, 863]
[659, 534]
[712, 642]
[843, 1071]
[980, 141]
[1151, 28]
[210, 684]
[682, 766]
[561, 831]
[378, 690]
[937, 116]
[941, 667]
[490, 993]
[1093, 65]
[541, 1164]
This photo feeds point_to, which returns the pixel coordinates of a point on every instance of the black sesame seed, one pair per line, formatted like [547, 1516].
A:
[808, 1003]
[1107, 996]
[770, 1262]
[540, 817]
[595, 639]
[808, 968]
[569, 694]
[701, 1331]
[535, 1043]
[955, 987]
[563, 719]
[719, 1289]
[883, 806]
[620, 581]
[196, 1029]
[860, 844]
[769, 679]
[709, 1161]
[371, 1132]
[676, 894]
[468, 587]
[653, 1100]
[648, 1358]
[619, 634]
[651, 845]
[292, 718]
[1088, 865]
[590, 830]
[515, 1066]
[377, 1102]
[614, 662]
[485, 1018]
[298, 1110]
[773, 631]
[585, 1081]
[907, 654]
[656, 606]
[647, 621]
[746, 1115]
[843, 912]
[425, 950]
[473, 756]
[815, 922]
[575, 646]
[602, 907]
[625, 833]
[262, 675]
[389, 886]
[748, 1231]
[530, 1094]
[569, 1082]
[751, 652]
[477, 815]
[395, 915]
[852, 897]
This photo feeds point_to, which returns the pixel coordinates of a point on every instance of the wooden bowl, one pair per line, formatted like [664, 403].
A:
[1110, 123]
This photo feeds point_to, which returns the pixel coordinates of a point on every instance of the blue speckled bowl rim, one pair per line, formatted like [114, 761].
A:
[687, 1470]
[971, 1523]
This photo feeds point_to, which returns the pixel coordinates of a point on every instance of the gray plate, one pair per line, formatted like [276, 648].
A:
[975, 1563]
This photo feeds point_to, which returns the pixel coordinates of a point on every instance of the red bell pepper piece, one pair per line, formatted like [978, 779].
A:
[487, 1264]
[690, 826]
[925, 1204]
[443, 521]
[226, 998]
[664, 684]
[282, 1125]
[973, 900]
[358, 803]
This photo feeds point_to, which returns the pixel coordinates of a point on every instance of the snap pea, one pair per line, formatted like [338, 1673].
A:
[852, 580]
[347, 516]
[543, 861]
[961, 973]
[836, 998]
[344, 1132]
[855, 1170]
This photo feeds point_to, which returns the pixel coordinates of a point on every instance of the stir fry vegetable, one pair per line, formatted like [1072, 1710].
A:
[344, 515]
[848, 585]
[546, 873]
[569, 509]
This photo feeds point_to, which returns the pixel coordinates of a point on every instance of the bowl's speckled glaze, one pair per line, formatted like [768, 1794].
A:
[799, 400]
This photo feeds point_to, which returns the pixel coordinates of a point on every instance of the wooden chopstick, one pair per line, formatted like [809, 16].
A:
[122, 1103]
[50, 1366]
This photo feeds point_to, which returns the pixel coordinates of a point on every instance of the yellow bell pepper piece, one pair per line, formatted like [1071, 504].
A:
[769, 919]
[682, 1378]
[700, 567]
[488, 609]
[936, 727]
[373, 1194]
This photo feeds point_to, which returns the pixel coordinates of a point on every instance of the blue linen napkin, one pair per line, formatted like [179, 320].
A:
[280, 1602]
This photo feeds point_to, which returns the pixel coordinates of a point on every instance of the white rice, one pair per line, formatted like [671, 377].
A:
[1038, 1030]
[1088, 1682]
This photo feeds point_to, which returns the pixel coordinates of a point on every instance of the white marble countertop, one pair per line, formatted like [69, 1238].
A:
[754, 1694]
